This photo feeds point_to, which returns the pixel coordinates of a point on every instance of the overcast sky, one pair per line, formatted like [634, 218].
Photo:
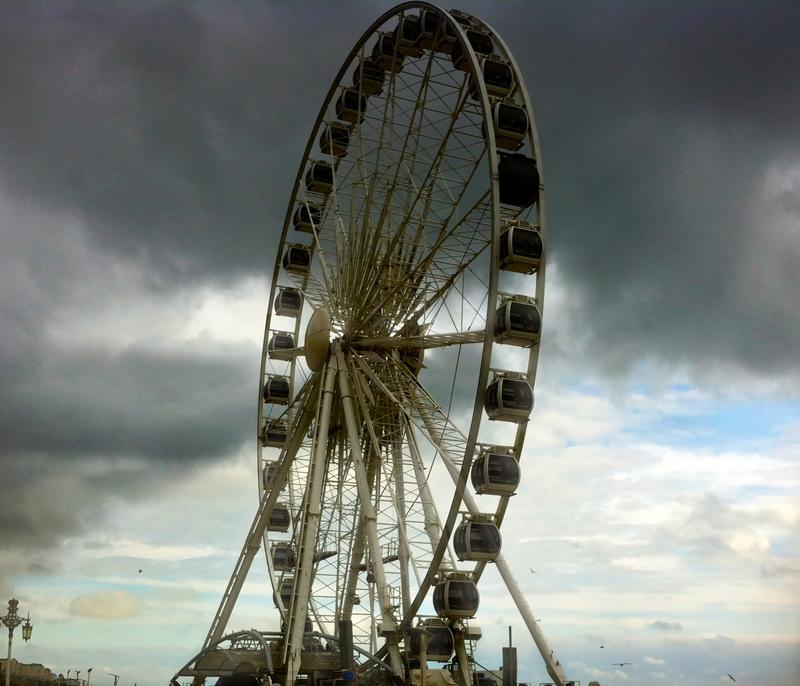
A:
[147, 152]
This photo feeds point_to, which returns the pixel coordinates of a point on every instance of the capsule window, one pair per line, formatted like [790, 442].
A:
[385, 55]
[477, 541]
[351, 105]
[495, 474]
[297, 259]
[288, 302]
[518, 178]
[282, 557]
[319, 178]
[285, 591]
[430, 24]
[281, 346]
[334, 139]
[440, 642]
[280, 519]
[368, 78]
[481, 44]
[456, 598]
[277, 390]
[517, 323]
[520, 249]
[407, 34]
[510, 125]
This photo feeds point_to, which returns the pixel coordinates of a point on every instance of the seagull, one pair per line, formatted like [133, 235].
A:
[140, 571]
[731, 678]
[533, 571]
[602, 646]
[621, 664]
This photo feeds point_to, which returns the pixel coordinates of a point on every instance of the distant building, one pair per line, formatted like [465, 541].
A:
[32, 675]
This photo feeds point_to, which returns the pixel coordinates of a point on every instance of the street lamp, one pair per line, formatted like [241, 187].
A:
[12, 621]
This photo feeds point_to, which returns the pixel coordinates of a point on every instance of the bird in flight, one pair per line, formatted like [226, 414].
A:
[140, 571]
[621, 664]
[731, 678]
[602, 646]
[533, 571]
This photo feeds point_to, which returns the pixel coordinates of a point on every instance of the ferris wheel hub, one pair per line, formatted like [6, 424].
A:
[318, 336]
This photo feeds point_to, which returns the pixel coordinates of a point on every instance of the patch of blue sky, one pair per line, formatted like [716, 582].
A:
[720, 426]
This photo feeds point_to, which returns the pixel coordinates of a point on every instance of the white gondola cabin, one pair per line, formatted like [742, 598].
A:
[521, 248]
[285, 590]
[456, 596]
[351, 105]
[268, 474]
[279, 519]
[477, 539]
[277, 390]
[481, 43]
[297, 259]
[508, 399]
[281, 346]
[283, 558]
[407, 34]
[495, 472]
[319, 178]
[288, 302]
[497, 76]
[510, 125]
[368, 78]
[334, 139]
[518, 178]
[385, 55]
[306, 217]
[274, 434]
[517, 322]
[441, 643]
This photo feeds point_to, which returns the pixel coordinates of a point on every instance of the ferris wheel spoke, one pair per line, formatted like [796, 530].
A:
[425, 342]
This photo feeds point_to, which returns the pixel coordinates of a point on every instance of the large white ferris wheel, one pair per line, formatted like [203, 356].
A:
[399, 360]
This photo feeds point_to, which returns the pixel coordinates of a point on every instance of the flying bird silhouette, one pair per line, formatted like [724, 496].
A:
[602, 646]
[621, 664]
[533, 571]
[731, 678]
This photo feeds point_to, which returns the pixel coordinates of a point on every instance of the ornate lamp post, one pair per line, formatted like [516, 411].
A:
[12, 620]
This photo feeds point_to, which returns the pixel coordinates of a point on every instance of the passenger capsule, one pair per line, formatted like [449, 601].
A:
[497, 76]
[481, 43]
[406, 36]
[334, 139]
[456, 595]
[283, 558]
[440, 641]
[385, 54]
[280, 518]
[521, 249]
[495, 473]
[477, 539]
[517, 322]
[288, 302]
[297, 259]
[277, 390]
[306, 217]
[268, 474]
[368, 78]
[508, 400]
[510, 125]
[285, 590]
[274, 434]
[351, 106]
[430, 24]
[319, 178]
[281, 346]
[518, 179]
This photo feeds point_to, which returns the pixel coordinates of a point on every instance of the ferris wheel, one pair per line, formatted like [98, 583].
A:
[400, 352]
